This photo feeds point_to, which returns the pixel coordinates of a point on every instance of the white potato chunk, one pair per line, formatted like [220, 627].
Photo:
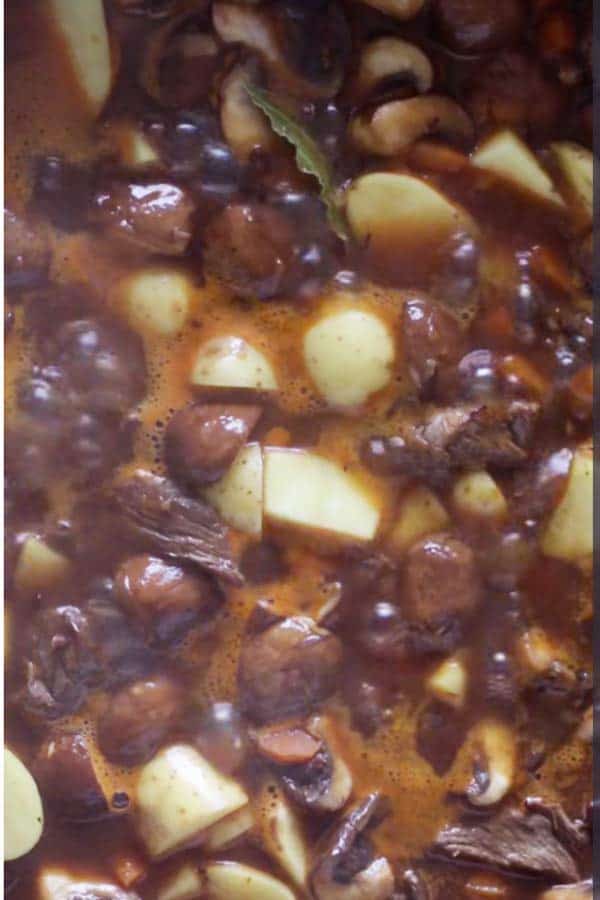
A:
[229, 830]
[39, 565]
[381, 200]
[496, 751]
[179, 795]
[229, 880]
[508, 156]
[157, 300]
[420, 513]
[185, 884]
[581, 891]
[308, 490]
[57, 884]
[232, 362]
[23, 813]
[83, 28]
[477, 494]
[282, 834]
[569, 533]
[349, 355]
[238, 495]
[449, 682]
[577, 168]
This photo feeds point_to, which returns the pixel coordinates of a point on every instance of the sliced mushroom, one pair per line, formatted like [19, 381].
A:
[396, 125]
[399, 9]
[495, 763]
[349, 869]
[245, 127]
[311, 768]
[176, 50]
[285, 36]
[392, 58]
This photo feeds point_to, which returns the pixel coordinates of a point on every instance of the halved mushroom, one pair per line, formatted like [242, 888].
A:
[311, 768]
[388, 58]
[395, 125]
[179, 60]
[304, 46]
[349, 869]
[245, 127]
[494, 768]
[399, 9]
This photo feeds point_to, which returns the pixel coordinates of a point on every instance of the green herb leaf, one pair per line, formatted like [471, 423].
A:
[309, 157]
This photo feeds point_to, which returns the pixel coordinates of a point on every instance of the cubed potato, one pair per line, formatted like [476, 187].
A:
[449, 682]
[229, 830]
[39, 566]
[185, 884]
[157, 300]
[569, 533]
[307, 490]
[576, 165]
[506, 155]
[537, 651]
[136, 150]
[477, 494]
[82, 26]
[228, 880]
[420, 513]
[23, 813]
[349, 355]
[232, 362]
[384, 203]
[581, 891]
[179, 795]
[282, 833]
[238, 495]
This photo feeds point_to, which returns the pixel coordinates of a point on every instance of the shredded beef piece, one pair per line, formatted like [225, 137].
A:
[177, 526]
[523, 844]
[459, 437]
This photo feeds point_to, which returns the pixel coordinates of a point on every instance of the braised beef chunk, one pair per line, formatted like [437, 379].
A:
[151, 217]
[177, 526]
[287, 669]
[522, 844]
[461, 437]
[432, 337]
[573, 833]
[65, 772]
[26, 254]
[61, 665]
[203, 439]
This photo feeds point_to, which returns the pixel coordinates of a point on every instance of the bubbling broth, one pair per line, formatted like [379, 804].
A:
[298, 450]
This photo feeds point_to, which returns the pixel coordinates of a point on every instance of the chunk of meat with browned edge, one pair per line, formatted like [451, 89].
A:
[473, 26]
[519, 843]
[176, 526]
[287, 669]
[432, 337]
[249, 247]
[349, 865]
[165, 598]
[65, 773]
[513, 91]
[137, 719]
[458, 437]
[440, 579]
[154, 217]
[26, 254]
[203, 439]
